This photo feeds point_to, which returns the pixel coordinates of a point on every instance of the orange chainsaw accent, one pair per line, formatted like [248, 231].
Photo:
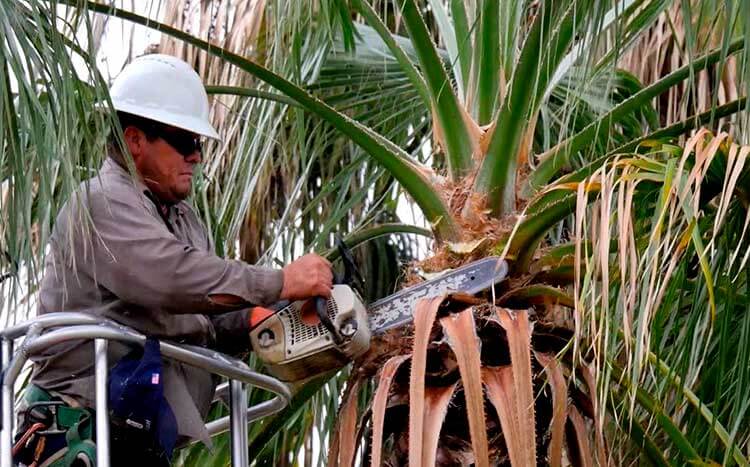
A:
[307, 313]
[257, 315]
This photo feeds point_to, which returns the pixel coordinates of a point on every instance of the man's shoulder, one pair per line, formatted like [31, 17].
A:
[98, 194]
[112, 182]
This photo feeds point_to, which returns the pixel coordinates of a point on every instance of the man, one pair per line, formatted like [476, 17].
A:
[146, 260]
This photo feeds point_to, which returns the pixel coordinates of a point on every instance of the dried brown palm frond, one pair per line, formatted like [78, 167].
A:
[666, 46]
[685, 238]
[470, 391]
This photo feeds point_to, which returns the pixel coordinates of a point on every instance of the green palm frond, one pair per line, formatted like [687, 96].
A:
[336, 113]
[667, 305]
[50, 134]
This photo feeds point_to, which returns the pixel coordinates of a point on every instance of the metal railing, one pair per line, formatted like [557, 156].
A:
[54, 328]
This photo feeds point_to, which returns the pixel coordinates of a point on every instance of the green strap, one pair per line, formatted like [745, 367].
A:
[78, 423]
[79, 448]
[69, 417]
[66, 416]
[36, 394]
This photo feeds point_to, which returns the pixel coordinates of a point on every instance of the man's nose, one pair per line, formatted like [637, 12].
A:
[196, 157]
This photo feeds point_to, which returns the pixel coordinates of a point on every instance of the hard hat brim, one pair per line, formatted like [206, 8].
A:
[185, 122]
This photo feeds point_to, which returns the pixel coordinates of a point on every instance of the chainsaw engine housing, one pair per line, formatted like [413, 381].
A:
[294, 348]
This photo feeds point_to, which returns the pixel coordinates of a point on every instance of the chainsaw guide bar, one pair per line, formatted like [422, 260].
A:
[396, 310]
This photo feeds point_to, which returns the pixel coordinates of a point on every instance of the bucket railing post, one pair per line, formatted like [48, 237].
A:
[6, 435]
[238, 421]
[102, 409]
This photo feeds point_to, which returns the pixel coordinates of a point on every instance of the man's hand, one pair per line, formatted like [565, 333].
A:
[305, 277]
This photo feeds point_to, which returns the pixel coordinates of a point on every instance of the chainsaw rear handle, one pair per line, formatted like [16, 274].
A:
[321, 308]
[351, 276]
[258, 314]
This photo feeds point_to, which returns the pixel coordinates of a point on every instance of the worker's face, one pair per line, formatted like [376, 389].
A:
[166, 169]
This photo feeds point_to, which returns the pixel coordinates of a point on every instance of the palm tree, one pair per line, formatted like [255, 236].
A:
[518, 128]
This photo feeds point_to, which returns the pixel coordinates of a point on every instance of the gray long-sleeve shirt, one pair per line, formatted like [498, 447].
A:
[153, 273]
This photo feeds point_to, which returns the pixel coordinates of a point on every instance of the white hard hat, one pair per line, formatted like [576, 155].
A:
[165, 89]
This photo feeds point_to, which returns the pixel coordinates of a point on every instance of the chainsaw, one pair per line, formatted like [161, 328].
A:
[307, 338]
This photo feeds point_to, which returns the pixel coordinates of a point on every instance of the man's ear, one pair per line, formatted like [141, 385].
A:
[134, 141]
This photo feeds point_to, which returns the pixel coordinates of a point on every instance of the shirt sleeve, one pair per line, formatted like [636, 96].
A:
[131, 253]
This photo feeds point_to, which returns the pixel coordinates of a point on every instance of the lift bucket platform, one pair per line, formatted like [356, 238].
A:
[40, 333]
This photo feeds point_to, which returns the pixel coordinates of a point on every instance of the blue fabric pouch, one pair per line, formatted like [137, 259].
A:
[136, 396]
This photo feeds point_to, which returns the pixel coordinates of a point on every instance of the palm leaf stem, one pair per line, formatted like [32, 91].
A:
[365, 235]
[450, 116]
[249, 92]
[497, 174]
[552, 197]
[463, 41]
[684, 126]
[488, 84]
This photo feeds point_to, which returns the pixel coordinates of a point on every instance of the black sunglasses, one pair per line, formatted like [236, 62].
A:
[184, 142]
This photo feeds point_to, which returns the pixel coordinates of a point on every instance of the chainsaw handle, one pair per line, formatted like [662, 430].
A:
[321, 308]
[259, 314]
[351, 275]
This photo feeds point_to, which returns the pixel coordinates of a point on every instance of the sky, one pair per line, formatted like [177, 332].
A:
[121, 37]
